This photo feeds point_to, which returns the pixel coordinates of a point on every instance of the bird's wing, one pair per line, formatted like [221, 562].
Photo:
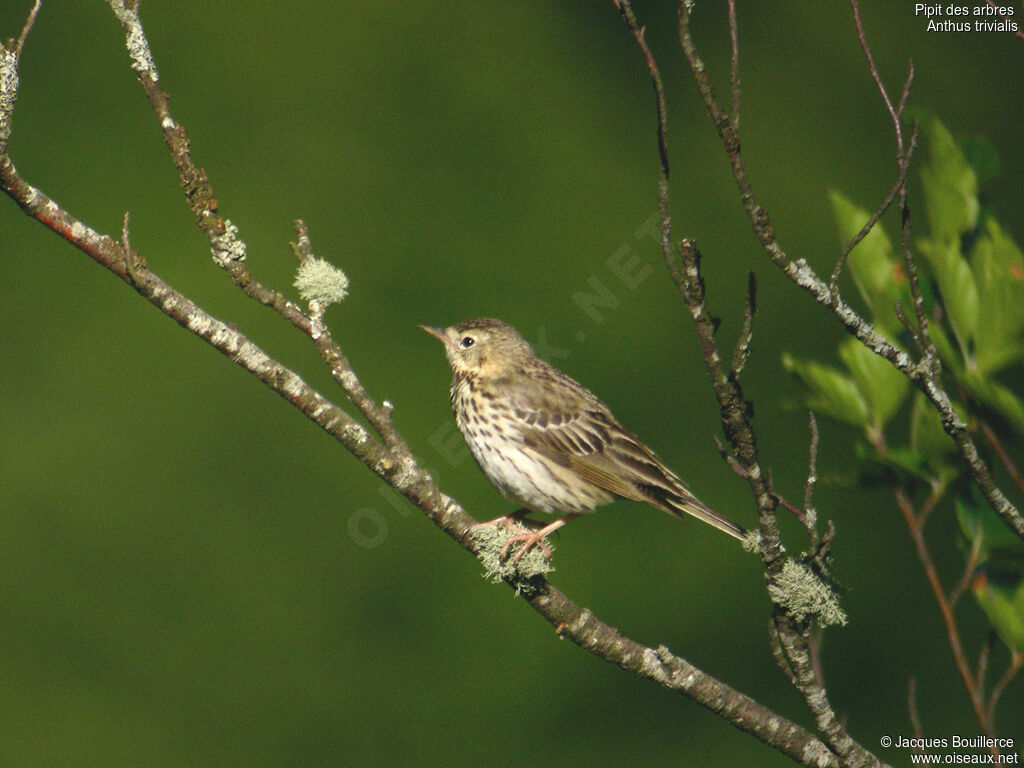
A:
[582, 445]
[568, 425]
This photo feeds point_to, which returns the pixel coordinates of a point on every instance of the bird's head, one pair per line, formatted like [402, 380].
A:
[482, 347]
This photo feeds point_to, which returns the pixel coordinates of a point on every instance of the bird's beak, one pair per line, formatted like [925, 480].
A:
[437, 333]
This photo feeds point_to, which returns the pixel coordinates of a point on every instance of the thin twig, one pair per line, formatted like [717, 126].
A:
[734, 69]
[907, 325]
[788, 505]
[746, 337]
[968, 573]
[810, 516]
[837, 270]
[659, 94]
[1017, 30]
[982, 668]
[826, 540]
[903, 155]
[734, 415]
[1016, 663]
[929, 504]
[734, 409]
[915, 716]
[814, 642]
[731, 460]
[779, 653]
[914, 523]
[683, 264]
[905, 93]
[126, 242]
[930, 355]
[1004, 457]
[893, 112]
[29, 23]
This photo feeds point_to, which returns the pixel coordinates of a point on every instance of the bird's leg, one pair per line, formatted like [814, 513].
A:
[505, 521]
[536, 539]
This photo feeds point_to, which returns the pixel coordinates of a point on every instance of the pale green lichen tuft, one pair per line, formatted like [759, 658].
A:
[8, 93]
[804, 595]
[322, 282]
[490, 540]
[752, 541]
[227, 246]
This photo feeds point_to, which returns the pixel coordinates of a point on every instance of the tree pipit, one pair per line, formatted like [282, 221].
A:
[546, 442]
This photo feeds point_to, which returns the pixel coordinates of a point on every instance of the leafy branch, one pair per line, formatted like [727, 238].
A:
[970, 263]
[880, 370]
[924, 372]
[793, 641]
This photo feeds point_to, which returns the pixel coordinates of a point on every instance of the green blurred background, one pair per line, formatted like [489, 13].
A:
[193, 574]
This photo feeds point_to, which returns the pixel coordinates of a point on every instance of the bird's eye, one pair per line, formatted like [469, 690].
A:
[467, 342]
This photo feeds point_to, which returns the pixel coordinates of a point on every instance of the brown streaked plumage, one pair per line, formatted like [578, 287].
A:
[547, 442]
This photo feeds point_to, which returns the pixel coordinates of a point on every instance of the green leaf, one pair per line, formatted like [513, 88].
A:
[909, 464]
[998, 267]
[999, 357]
[997, 397]
[957, 287]
[831, 392]
[1000, 594]
[983, 528]
[950, 184]
[884, 387]
[879, 278]
[981, 153]
[998, 583]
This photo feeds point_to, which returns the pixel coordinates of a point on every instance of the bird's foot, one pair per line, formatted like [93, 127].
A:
[519, 517]
[535, 539]
[527, 540]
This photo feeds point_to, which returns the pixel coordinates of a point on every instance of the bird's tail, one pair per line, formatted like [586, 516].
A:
[681, 502]
[628, 468]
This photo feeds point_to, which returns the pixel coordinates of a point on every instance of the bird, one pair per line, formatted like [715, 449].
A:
[546, 442]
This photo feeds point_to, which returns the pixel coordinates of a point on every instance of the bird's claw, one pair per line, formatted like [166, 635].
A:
[527, 539]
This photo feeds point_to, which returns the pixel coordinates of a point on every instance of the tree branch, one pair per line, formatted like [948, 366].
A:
[992, 4]
[660, 665]
[915, 523]
[795, 646]
[746, 336]
[1004, 457]
[388, 457]
[922, 373]
[1016, 663]
[227, 248]
[735, 410]
[837, 270]
[683, 265]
